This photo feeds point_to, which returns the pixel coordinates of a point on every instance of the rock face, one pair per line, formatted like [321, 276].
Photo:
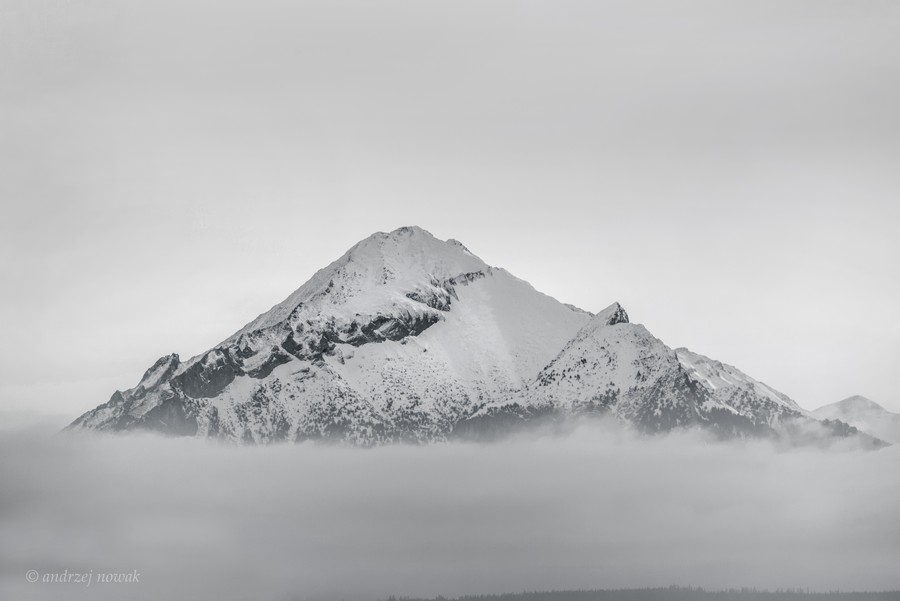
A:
[865, 415]
[410, 338]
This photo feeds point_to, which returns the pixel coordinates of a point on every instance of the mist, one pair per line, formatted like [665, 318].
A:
[598, 508]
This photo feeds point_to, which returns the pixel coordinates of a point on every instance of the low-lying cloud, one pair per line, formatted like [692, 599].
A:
[595, 509]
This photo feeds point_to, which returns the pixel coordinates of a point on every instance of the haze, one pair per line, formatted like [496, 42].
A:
[727, 171]
[596, 509]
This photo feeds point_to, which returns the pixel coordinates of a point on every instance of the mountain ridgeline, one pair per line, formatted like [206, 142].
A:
[407, 338]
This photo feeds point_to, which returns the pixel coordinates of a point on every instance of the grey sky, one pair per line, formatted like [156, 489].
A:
[726, 170]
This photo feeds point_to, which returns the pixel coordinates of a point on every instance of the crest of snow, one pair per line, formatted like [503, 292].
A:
[381, 268]
[716, 376]
[373, 278]
[610, 316]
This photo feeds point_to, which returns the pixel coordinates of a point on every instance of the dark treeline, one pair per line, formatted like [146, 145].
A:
[674, 593]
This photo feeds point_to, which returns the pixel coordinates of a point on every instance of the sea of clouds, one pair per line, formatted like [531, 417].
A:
[597, 508]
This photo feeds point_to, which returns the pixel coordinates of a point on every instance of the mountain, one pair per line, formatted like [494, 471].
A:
[411, 338]
[614, 367]
[864, 414]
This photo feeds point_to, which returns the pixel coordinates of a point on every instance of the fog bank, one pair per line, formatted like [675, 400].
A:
[596, 509]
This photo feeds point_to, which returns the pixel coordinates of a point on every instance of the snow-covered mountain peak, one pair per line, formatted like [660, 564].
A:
[456, 242]
[610, 316]
[408, 337]
[408, 253]
[865, 414]
[406, 271]
[158, 370]
[852, 408]
[400, 337]
[860, 403]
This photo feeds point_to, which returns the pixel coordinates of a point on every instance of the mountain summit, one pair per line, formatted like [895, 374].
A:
[864, 414]
[410, 338]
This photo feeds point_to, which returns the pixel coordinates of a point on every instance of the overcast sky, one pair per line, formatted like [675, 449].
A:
[728, 171]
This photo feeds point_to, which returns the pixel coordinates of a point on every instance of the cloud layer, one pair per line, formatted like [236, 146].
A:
[597, 508]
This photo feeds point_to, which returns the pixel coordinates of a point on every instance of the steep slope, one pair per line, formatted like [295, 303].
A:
[614, 367]
[865, 415]
[396, 340]
[728, 386]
